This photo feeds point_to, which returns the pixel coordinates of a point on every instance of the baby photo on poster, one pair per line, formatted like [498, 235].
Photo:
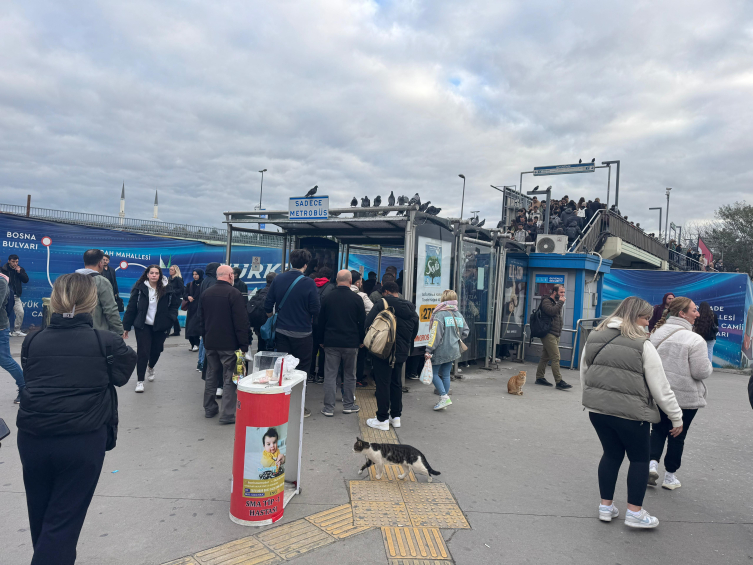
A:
[265, 452]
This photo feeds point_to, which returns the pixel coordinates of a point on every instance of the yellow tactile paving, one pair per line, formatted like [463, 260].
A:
[377, 491]
[246, 551]
[437, 516]
[391, 472]
[426, 493]
[294, 539]
[414, 543]
[367, 402]
[337, 522]
[183, 561]
[418, 562]
[370, 513]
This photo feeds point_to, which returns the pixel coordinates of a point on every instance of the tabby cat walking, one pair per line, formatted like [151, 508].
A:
[380, 454]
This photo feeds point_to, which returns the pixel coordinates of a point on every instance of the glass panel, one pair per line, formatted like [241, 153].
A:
[477, 298]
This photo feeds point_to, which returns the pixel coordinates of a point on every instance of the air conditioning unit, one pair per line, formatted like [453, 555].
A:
[548, 243]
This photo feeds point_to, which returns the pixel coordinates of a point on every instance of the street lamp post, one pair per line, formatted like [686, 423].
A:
[261, 189]
[660, 211]
[462, 202]
[666, 220]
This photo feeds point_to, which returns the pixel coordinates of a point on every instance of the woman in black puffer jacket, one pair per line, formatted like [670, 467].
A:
[68, 416]
[152, 309]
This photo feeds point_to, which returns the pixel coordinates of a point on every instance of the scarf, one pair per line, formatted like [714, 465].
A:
[320, 282]
[448, 306]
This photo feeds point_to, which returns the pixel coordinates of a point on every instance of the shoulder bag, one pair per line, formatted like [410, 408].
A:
[268, 329]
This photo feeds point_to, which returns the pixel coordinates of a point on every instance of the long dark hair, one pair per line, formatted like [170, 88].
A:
[704, 325]
[160, 285]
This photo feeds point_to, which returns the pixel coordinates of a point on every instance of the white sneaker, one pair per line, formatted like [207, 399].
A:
[395, 422]
[195, 348]
[150, 374]
[670, 481]
[640, 520]
[653, 473]
[218, 393]
[606, 513]
[19, 333]
[376, 424]
[140, 386]
[443, 403]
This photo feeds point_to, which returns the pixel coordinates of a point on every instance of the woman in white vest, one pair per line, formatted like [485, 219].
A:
[623, 381]
[684, 355]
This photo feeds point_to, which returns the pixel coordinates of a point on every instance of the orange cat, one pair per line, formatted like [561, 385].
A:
[515, 384]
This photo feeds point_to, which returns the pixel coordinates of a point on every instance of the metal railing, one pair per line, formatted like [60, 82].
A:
[522, 349]
[579, 327]
[606, 222]
[149, 227]
[683, 262]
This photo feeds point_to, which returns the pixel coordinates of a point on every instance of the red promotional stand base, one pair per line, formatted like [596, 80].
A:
[267, 449]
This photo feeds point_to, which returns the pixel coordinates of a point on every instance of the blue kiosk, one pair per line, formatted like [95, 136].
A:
[530, 277]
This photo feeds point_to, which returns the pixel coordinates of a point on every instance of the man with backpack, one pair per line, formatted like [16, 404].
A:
[105, 314]
[295, 299]
[256, 314]
[551, 306]
[392, 326]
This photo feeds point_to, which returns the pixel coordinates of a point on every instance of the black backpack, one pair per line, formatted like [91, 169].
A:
[541, 323]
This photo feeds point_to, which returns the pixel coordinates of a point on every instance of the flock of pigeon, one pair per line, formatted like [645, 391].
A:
[401, 201]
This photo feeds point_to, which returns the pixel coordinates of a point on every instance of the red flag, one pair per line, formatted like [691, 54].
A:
[705, 251]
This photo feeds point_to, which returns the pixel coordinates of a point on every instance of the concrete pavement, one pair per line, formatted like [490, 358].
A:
[522, 469]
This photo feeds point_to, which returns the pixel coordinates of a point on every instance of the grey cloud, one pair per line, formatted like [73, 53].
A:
[364, 98]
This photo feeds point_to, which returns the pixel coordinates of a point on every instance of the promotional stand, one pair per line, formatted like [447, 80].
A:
[267, 450]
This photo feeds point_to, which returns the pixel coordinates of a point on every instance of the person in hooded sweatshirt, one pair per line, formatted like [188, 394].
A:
[659, 310]
[210, 279]
[152, 310]
[191, 296]
[324, 285]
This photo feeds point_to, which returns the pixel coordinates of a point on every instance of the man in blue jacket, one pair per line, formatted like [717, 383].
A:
[294, 330]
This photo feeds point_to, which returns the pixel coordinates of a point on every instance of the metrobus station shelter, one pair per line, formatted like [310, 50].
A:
[489, 271]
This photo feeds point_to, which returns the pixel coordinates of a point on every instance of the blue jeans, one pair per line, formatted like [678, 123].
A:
[710, 345]
[7, 362]
[442, 377]
[202, 351]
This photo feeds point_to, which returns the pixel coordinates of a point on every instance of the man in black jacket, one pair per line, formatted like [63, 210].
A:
[257, 317]
[224, 326]
[109, 273]
[389, 385]
[210, 279]
[340, 332]
[552, 306]
[18, 278]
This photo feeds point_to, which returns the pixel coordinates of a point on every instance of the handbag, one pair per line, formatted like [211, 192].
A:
[184, 304]
[463, 346]
[267, 331]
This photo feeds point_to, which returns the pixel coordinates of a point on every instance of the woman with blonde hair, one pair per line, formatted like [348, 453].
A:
[685, 357]
[623, 381]
[178, 286]
[447, 328]
[68, 416]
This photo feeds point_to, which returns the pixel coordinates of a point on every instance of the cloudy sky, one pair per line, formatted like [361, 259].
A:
[362, 97]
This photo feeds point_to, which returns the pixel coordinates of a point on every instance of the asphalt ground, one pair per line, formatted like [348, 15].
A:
[522, 469]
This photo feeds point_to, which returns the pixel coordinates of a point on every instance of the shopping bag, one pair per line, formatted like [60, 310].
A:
[427, 375]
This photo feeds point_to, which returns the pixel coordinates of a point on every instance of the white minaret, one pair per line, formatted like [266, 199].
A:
[156, 217]
[121, 214]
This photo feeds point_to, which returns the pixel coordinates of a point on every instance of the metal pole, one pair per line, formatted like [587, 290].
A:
[28, 205]
[666, 220]
[261, 188]
[284, 252]
[546, 214]
[609, 180]
[520, 191]
[462, 202]
[660, 208]
[229, 246]
[379, 263]
[617, 187]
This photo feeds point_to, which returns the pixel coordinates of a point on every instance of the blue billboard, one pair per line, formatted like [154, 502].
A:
[49, 249]
[729, 294]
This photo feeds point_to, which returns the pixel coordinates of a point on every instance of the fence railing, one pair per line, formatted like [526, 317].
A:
[149, 227]
[683, 262]
[610, 223]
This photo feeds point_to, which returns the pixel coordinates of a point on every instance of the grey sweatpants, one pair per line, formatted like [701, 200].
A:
[332, 358]
[220, 367]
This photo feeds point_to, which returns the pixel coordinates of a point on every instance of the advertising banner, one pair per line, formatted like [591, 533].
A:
[726, 293]
[514, 298]
[48, 249]
[432, 278]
